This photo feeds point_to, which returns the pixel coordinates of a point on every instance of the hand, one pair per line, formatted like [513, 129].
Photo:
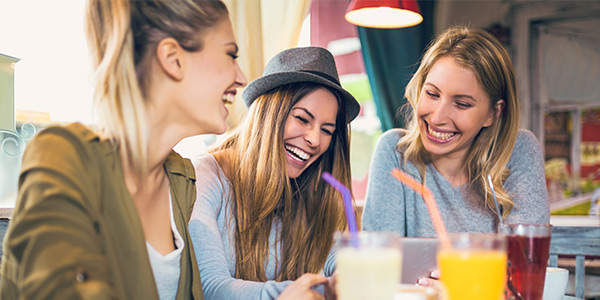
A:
[301, 288]
[330, 293]
[432, 281]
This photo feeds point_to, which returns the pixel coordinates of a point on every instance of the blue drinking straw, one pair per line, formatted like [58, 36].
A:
[347, 205]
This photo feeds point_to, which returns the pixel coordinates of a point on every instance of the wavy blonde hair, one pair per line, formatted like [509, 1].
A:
[310, 210]
[122, 37]
[483, 54]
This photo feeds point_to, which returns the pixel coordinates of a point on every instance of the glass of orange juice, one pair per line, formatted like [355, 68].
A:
[368, 265]
[475, 267]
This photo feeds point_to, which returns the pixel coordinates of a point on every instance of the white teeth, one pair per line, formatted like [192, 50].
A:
[228, 98]
[440, 135]
[299, 153]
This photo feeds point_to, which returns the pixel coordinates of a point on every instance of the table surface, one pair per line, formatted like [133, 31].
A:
[571, 298]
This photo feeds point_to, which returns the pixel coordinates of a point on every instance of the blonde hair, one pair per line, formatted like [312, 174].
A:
[122, 37]
[490, 152]
[310, 210]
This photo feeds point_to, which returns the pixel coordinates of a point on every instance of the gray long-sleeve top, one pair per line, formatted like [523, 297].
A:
[392, 206]
[212, 234]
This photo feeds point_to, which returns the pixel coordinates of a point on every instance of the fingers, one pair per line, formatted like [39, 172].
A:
[301, 288]
[309, 280]
[424, 282]
[330, 293]
[434, 276]
[429, 282]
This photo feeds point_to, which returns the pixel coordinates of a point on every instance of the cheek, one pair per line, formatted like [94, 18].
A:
[288, 129]
[420, 107]
[326, 143]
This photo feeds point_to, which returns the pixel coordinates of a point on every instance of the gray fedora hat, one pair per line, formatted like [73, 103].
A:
[302, 64]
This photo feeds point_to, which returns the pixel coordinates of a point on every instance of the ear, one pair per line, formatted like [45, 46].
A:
[170, 57]
[494, 113]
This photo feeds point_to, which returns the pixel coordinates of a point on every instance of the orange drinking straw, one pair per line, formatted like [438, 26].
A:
[434, 212]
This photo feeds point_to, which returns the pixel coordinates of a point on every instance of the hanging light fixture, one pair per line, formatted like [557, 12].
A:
[384, 13]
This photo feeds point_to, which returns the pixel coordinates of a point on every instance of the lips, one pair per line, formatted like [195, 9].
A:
[442, 136]
[297, 153]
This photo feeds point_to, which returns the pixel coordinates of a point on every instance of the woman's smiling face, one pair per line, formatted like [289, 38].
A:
[308, 130]
[452, 109]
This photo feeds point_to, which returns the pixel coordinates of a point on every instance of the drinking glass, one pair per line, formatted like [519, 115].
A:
[475, 267]
[368, 265]
[528, 250]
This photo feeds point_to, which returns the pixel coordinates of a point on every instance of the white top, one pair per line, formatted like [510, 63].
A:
[167, 268]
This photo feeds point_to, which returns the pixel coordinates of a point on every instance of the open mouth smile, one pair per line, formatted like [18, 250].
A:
[297, 153]
[228, 98]
[438, 135]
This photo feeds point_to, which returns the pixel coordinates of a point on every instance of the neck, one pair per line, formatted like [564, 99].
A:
[153, 180]
[453, 169]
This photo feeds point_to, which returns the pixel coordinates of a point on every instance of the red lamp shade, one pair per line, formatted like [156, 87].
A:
[384, 13]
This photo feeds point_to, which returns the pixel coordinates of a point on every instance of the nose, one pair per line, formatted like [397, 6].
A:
[312, 136]
[441, 112]
[240, 78]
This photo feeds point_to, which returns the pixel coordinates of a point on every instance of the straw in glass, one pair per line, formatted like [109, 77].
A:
[347, 200]
[434, 212]
[495, 200]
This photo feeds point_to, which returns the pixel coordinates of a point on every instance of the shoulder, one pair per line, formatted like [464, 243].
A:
[391, 137]
[59, 145]
[210, 177]
[527, 151]
[526, 144]
[386, 147]
[75, 133]
[206, 164]
[178, 165]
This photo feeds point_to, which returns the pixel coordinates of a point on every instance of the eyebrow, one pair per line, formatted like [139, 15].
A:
[312, 116]
[454, 96]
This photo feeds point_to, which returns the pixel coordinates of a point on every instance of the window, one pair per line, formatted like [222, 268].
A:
[50, 79]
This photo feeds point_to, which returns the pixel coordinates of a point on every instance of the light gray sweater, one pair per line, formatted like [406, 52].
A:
[391, 206]
[212, 233]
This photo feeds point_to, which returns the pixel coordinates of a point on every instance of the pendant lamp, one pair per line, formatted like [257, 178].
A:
[384, 13]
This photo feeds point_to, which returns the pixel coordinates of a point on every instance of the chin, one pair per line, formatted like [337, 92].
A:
[220, 127]
[293, 174]
[221, 131]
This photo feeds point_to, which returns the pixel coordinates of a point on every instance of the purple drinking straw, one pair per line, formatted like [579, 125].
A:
[347, 205]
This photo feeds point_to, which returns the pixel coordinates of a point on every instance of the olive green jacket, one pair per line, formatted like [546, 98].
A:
[75, 232]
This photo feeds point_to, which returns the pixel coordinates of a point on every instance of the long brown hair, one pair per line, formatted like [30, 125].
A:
[310, 210]
[122, 37]
[483, 54]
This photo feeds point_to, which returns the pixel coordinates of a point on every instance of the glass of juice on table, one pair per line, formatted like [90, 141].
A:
[528, 249]
[368, 265]
[474, 268]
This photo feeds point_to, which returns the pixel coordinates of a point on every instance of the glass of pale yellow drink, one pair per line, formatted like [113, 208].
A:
[475, 267]
[368, 265]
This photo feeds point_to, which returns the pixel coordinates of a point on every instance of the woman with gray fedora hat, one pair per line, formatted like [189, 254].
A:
[263, 222]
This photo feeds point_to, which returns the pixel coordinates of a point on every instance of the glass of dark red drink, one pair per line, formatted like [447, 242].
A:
[528, 247]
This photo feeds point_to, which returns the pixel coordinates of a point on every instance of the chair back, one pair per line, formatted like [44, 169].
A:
[576, 241]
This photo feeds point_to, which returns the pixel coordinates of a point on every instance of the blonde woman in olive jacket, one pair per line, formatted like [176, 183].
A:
[102, 212]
